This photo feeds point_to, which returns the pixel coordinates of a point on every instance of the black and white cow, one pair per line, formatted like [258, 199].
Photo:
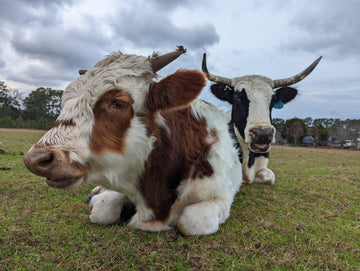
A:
[253, 98]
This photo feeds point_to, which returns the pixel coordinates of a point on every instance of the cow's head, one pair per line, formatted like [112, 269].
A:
[102, 132]
[253, 97]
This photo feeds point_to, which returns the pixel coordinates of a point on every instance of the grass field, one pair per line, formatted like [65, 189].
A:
[308, 220]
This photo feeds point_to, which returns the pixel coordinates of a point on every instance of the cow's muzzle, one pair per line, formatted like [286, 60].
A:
[261, 139]
[55, 165]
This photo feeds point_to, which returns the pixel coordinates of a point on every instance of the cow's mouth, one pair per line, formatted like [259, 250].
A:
[62, 183]
[260, 148]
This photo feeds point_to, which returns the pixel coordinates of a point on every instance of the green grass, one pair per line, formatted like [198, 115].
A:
[308, 220]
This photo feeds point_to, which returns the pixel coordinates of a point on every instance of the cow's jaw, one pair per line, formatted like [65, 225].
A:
[253, 147]
[260, 148]
[56, 166]
[64, 183]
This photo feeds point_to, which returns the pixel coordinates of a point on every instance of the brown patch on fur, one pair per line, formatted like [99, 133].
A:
[177, 156]
[113, 114]
[176, 90]
[63, 123]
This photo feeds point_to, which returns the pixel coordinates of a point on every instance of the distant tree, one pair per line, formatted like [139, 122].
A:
[295, 129]
[279, 125]
[337, 130]
[42, 103]
[9, 102]
[308, 122]
[320, 129]
[352, 129]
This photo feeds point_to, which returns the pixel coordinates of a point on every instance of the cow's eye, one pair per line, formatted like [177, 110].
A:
[117, 104]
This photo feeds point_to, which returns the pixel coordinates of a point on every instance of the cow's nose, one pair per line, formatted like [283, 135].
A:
[261, 135]
[39, 162]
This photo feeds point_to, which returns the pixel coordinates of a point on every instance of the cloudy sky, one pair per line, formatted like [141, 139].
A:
[44, 43]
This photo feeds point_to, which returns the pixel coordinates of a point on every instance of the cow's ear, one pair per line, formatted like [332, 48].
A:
[223, 92]
[285, 94]
[176, 90]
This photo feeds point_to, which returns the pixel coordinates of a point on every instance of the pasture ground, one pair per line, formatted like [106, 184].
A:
[308, 220]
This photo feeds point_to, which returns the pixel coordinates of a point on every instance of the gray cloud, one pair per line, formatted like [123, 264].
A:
[35, 30]
[159, 32]
[58, 52]
[20, 12]
[152, 27]
[170, 5]
[44, 43]
[330, 26]
[69, 48]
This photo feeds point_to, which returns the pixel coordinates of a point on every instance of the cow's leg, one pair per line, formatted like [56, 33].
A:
[143, 220]
[108, 207]
[265, 175]
[203, 218]
[256, 170]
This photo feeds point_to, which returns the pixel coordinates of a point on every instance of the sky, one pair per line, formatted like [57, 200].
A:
[44, 43]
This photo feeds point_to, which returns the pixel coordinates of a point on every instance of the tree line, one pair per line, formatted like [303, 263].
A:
[318, 132]
[38, 110]
[42, 106]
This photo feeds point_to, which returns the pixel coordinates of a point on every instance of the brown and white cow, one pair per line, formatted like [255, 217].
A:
[253, 98]
[149, 143]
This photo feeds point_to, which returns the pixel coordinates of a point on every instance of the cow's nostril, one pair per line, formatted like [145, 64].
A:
[46, 160]
[261, 135]
[39, 162]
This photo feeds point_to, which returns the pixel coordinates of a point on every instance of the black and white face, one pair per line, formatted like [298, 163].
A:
[253, 99]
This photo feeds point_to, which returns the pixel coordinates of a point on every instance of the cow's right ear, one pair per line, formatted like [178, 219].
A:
[176, 90]
[223, 92]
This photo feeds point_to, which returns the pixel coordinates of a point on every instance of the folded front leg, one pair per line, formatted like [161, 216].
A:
[109, 207]
[204, 217]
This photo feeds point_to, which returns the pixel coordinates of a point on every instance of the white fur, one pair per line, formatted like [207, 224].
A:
[106, 207]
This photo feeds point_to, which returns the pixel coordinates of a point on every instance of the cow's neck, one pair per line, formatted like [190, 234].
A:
[246, 156]
[236, 141]
[177, 155]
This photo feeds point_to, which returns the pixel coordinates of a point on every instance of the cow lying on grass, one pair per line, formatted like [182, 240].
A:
[252, 98]
[148, 143]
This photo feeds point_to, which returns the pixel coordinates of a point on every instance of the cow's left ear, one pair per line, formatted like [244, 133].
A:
[176, 90]
[285, 94]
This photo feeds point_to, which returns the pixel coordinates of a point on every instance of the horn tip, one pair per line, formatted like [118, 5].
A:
[181, 49]
[318, 59]
[204, 66]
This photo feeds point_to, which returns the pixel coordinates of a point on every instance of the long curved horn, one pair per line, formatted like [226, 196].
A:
[296, 78]
[214, 78]
[157, 63]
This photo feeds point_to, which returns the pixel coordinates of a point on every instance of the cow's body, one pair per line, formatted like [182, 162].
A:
[253, 98]
[152, 144]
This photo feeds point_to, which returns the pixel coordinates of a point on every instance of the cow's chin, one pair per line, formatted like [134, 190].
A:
[64, 183]
[260, 148]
